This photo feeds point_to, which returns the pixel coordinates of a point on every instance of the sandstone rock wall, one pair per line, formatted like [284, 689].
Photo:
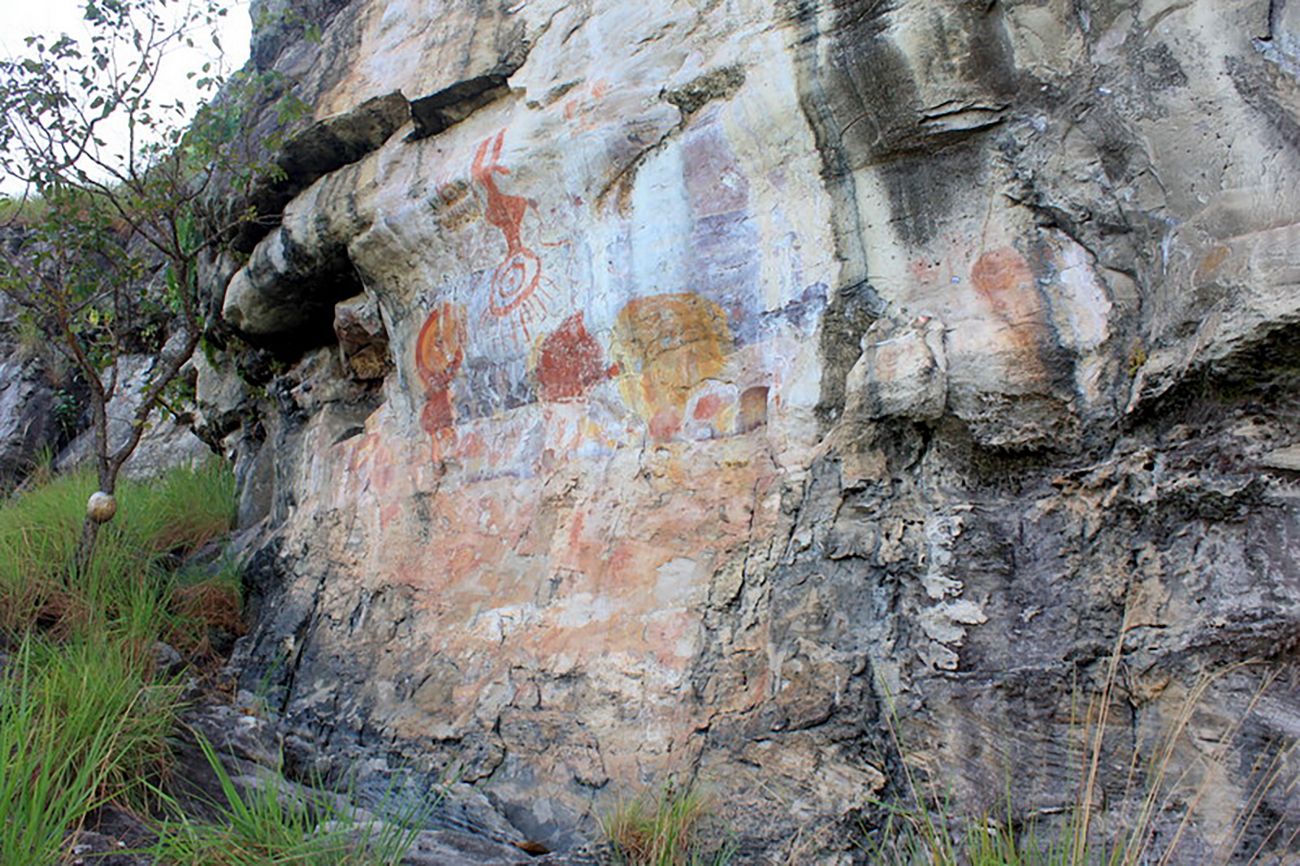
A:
[711, 383]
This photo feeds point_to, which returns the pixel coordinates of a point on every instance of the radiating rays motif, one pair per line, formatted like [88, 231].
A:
[516, 285]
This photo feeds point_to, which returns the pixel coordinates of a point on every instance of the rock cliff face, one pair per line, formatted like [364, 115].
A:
[27, 403]
[710, 388]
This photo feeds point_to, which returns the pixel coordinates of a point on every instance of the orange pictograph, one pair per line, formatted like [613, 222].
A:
[515, 281]
[439, 352]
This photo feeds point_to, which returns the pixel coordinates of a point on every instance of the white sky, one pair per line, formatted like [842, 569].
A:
[22, 18]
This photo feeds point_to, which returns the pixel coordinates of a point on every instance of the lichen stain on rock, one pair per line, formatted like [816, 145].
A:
[453, 206]
[666, 345]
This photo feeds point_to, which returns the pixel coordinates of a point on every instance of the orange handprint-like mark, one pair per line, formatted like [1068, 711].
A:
[515, 280]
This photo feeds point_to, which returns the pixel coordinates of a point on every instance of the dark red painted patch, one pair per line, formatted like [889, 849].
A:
[570, 362]
[437, 414]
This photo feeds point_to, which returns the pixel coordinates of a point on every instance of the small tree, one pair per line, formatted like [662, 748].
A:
[113, 222]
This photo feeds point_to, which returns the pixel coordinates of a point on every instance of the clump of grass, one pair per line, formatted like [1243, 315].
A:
[81, 724]
[930, 834]
[124, 587]
[182, 511]
[663, 828]
[270, 824]
[83, 714]
[202, 607]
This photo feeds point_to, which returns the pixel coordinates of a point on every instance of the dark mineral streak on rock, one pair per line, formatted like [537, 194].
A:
[853, 303]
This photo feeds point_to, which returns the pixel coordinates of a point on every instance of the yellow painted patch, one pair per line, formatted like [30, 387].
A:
[665, 346]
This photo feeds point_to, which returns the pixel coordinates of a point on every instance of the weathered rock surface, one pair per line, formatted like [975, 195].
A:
[758, 373]
[29, 418]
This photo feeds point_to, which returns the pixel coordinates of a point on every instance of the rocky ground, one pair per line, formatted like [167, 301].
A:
[460, 829]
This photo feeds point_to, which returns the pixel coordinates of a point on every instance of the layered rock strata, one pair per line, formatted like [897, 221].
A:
[777, 393]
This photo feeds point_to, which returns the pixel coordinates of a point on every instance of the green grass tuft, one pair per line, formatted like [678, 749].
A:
[663, 829]
[270, 824]
[125, 587]
[81, 724]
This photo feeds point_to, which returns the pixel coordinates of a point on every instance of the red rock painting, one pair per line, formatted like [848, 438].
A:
[707, 407]
[582, 110]
[516, 279]
[570, 362]
[439, 352]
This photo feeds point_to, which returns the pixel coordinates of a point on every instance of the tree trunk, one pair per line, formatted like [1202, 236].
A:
[86, 548]
[106, 475]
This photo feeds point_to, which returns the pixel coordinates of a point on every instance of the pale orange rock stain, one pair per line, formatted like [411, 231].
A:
[1005, 281]
[492, 590]
[1211, 262]
[369, 467]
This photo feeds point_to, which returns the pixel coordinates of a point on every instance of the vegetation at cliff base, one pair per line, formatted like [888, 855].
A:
[1152, 820]
[83, 723]
[85, 709]
[665, 827]
[269, 825]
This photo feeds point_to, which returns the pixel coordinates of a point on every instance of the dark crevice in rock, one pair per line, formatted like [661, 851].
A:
[848, 315]
[1274, 14]
[855, 304]
[1269, 369]
[302, 317]
[435, 113]
[264, 579]
[442, 109]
